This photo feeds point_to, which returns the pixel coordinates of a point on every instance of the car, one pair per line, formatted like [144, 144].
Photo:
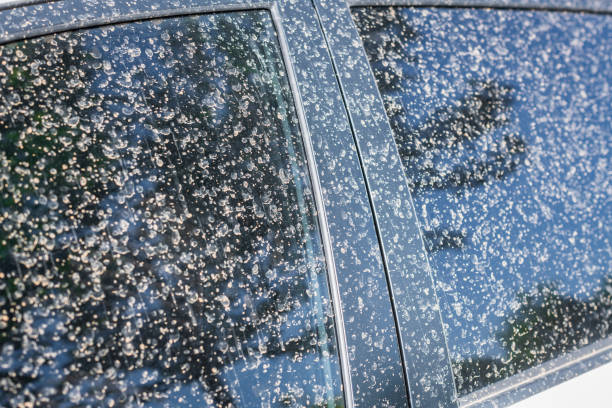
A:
[372, 203]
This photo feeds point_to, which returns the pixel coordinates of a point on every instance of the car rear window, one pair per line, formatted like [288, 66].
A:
[158, 236]
[502, 121]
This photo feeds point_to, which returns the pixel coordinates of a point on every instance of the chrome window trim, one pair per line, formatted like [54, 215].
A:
[386, 185]
[332, 277]
[97, 21]
[7, 4]
[587, 6]
[540, 378]
[324, 138]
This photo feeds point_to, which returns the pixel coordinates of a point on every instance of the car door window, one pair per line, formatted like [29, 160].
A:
[502, 122]
[158, 239]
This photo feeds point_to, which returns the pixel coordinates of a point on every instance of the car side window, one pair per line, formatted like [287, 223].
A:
[502, 122]
[158, 239]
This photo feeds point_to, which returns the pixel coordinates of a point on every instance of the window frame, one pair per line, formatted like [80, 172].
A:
[396, 220]
[326, 136]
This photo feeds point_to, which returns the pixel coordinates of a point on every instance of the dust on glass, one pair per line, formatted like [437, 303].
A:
[502, 121]
[158, 238]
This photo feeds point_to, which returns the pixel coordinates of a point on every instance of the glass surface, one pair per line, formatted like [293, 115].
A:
[502, 121]
[158, 238]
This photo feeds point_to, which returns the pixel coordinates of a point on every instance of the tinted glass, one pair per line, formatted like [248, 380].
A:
[158, 240]
[502, 121]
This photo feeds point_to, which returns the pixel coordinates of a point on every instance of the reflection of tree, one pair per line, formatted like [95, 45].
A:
[546, 325]
[442, 152]
[385, 34]
[443, 238]
[153, 235]
[450, 131]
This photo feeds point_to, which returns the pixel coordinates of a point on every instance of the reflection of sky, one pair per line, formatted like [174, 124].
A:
[549, 219]
[293, 385]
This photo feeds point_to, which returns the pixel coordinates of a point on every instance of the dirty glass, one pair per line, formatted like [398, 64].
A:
[502, 122]
[158, 237]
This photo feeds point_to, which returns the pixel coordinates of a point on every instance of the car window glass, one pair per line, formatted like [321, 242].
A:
[158, 237]
[502, 122]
